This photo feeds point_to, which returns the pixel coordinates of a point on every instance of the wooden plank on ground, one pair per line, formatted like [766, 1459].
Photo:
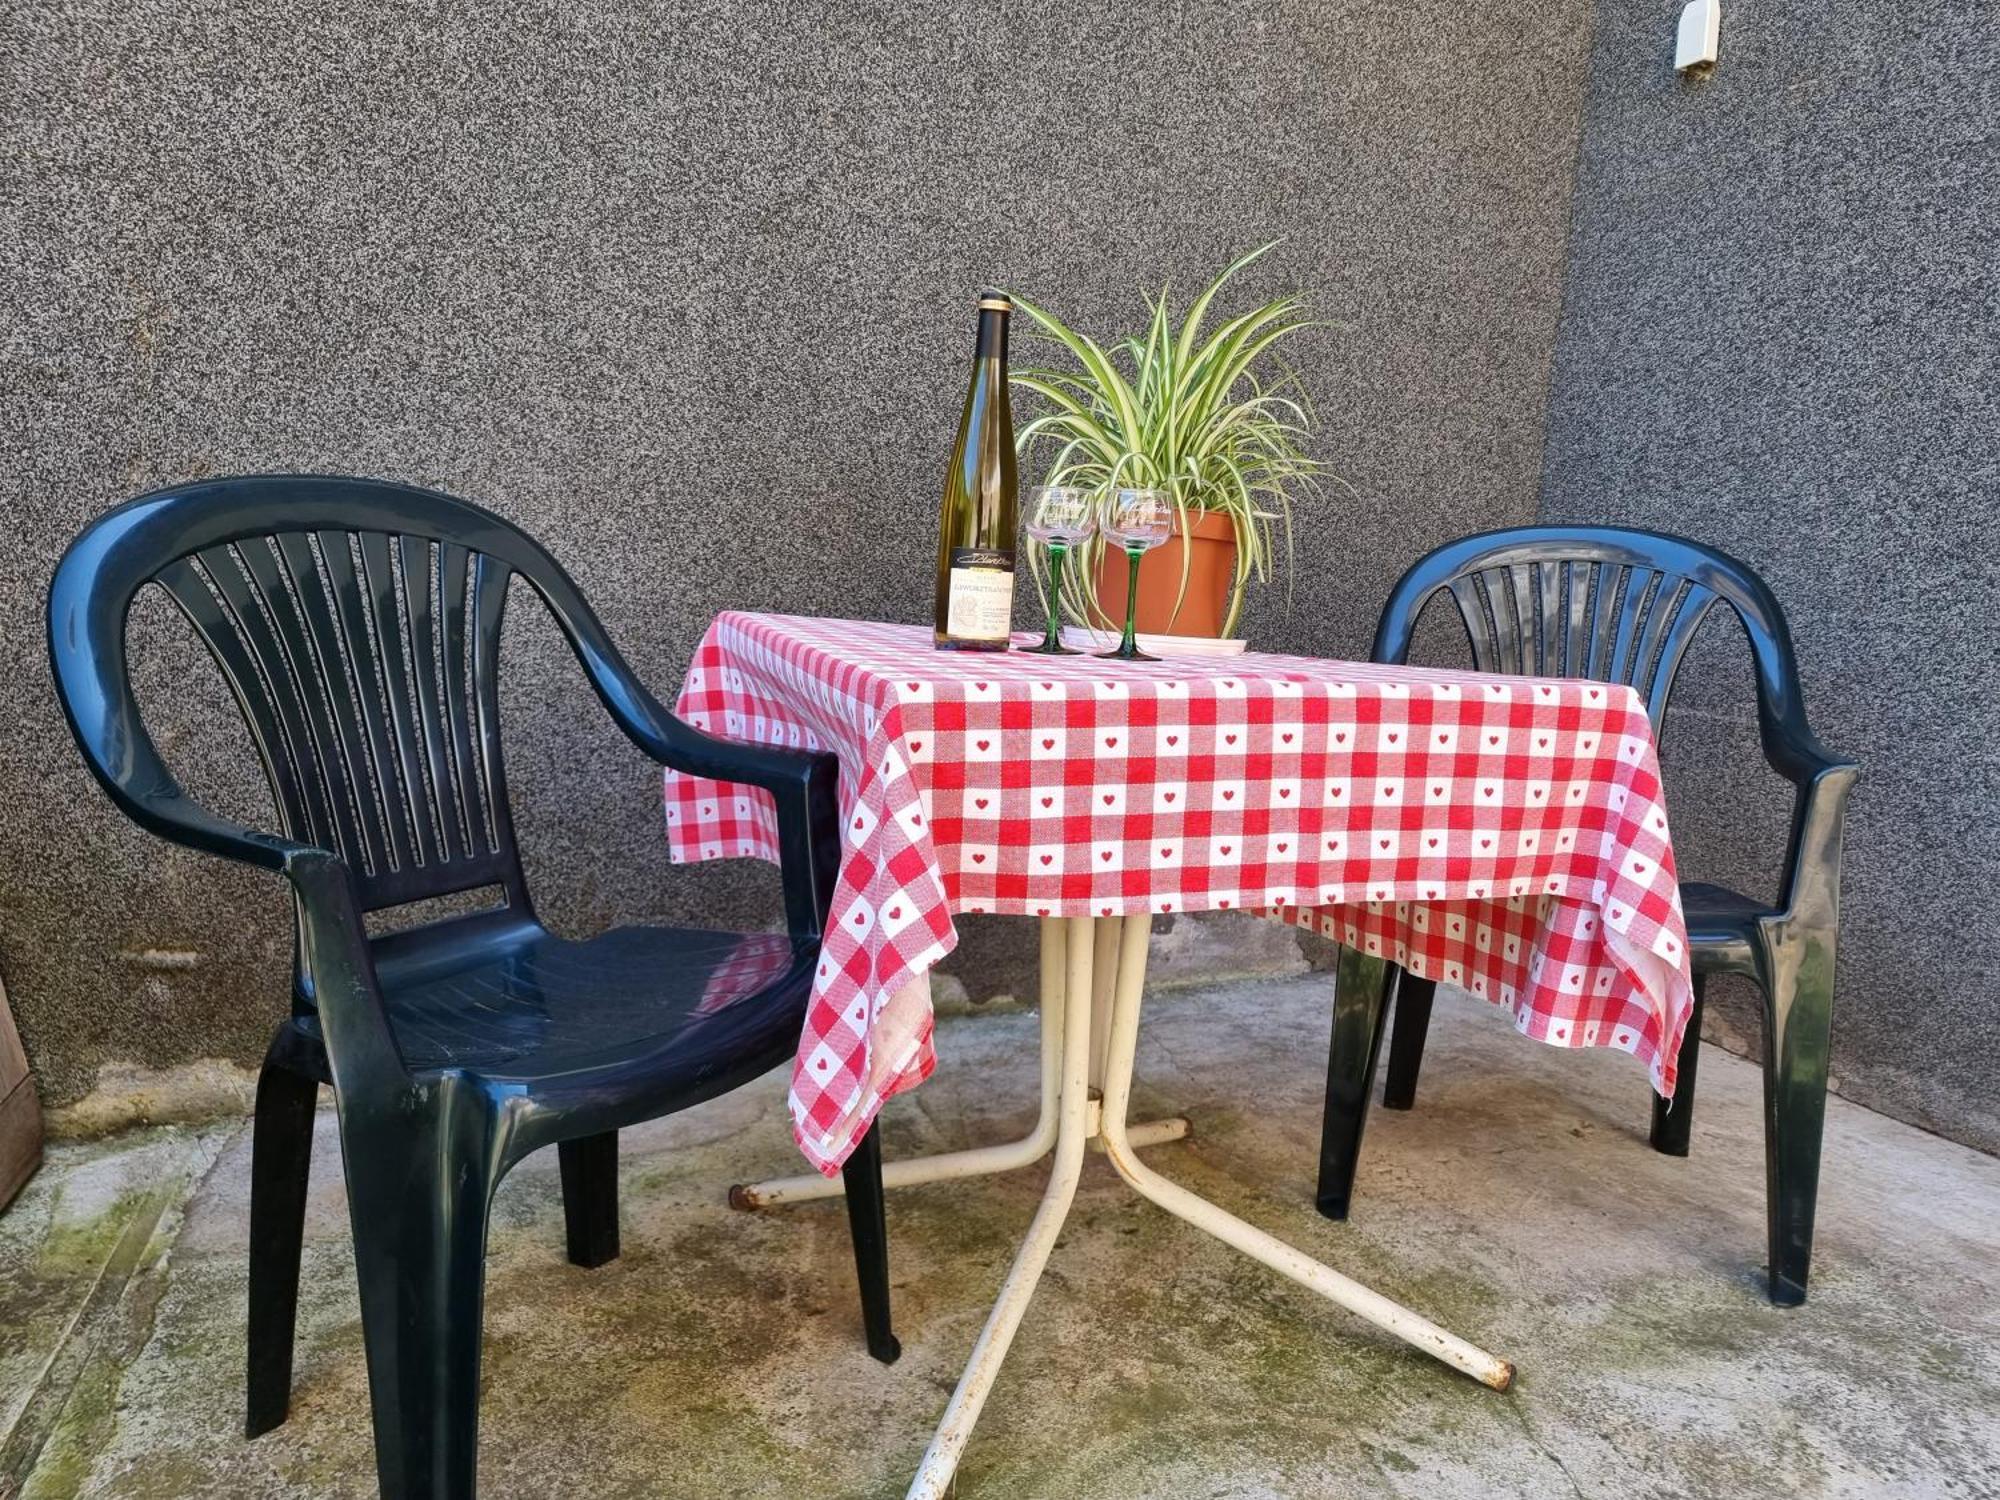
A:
[20, 1111]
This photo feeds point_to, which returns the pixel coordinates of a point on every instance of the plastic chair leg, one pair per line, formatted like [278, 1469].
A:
[1358, 1012]
[420, 1183]
[1406, 1037]
[1798, 1025]
[590, 1198]
[280, 1163]
[1673, 1121]
[866, 1219]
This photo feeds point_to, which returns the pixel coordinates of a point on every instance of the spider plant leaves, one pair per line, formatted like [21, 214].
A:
[1207, 410]
[1191, 329]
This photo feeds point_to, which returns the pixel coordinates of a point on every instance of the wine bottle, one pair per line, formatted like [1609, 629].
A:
[975, 569]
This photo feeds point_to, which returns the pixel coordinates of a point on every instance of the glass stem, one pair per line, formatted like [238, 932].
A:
[1057, 551]
[1131, 641]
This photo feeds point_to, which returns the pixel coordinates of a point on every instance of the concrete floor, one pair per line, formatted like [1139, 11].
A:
[721, 1356]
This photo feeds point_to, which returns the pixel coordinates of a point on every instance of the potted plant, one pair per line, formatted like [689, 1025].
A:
[1220, 424]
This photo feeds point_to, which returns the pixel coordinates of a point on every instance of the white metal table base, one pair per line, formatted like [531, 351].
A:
[1076, 1121]
[1037, 1143]
[1093, 975]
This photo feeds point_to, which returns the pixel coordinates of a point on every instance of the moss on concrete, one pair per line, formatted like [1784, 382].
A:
[721, 1355]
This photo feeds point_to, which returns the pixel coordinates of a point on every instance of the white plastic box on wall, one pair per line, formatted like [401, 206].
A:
[1700, 31]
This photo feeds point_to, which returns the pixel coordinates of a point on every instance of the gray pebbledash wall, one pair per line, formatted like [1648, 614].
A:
[688, 291]
[1779, 336]
[689, 294]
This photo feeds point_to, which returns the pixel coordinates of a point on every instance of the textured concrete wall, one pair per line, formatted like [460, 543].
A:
[1779, 337]
[690, 294]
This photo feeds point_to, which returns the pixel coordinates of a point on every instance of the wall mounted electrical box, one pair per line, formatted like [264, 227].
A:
[1701, 28]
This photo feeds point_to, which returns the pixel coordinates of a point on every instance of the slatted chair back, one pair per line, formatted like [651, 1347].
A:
[364, 663]
[357, 623]
[1607, 603]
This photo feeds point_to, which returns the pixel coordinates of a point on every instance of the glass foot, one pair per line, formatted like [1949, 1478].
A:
[1049, 647]
[1126, 653]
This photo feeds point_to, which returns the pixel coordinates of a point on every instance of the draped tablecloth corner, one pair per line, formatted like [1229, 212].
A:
[1506, 834]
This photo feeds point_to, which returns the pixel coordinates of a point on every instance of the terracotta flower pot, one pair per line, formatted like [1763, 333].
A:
[1209, 546]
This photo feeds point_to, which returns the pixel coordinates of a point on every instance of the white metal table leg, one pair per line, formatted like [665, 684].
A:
[983, 1160]
[1104, 975]
[1385, 1314]
[941, 1458]
[1151, 1133]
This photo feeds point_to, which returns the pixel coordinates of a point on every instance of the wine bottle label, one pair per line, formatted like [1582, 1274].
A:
[982, 594]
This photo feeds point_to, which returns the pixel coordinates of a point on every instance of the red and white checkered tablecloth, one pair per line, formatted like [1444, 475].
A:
[1502, 833]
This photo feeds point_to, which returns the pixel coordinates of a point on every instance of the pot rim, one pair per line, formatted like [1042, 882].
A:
[1208, 525]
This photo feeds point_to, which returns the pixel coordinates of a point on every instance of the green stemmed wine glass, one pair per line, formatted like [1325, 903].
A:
[1138, 521]
[1060, 517]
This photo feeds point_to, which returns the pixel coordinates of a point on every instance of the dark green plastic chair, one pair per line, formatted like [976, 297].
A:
[358, 625]
[1622, 606]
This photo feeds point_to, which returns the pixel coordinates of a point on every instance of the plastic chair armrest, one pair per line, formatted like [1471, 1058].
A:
[1823, 780]
[803, 783]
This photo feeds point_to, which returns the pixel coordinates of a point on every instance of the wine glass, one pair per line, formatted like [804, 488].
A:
[1060, 517]
[1137, 520]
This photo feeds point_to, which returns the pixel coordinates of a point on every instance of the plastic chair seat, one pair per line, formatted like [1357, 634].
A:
[548, 1007]
[1722, 927]
[693, 1012]
[533, 1006]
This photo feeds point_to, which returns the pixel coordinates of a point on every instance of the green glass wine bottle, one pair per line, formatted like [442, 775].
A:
[975, 569]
